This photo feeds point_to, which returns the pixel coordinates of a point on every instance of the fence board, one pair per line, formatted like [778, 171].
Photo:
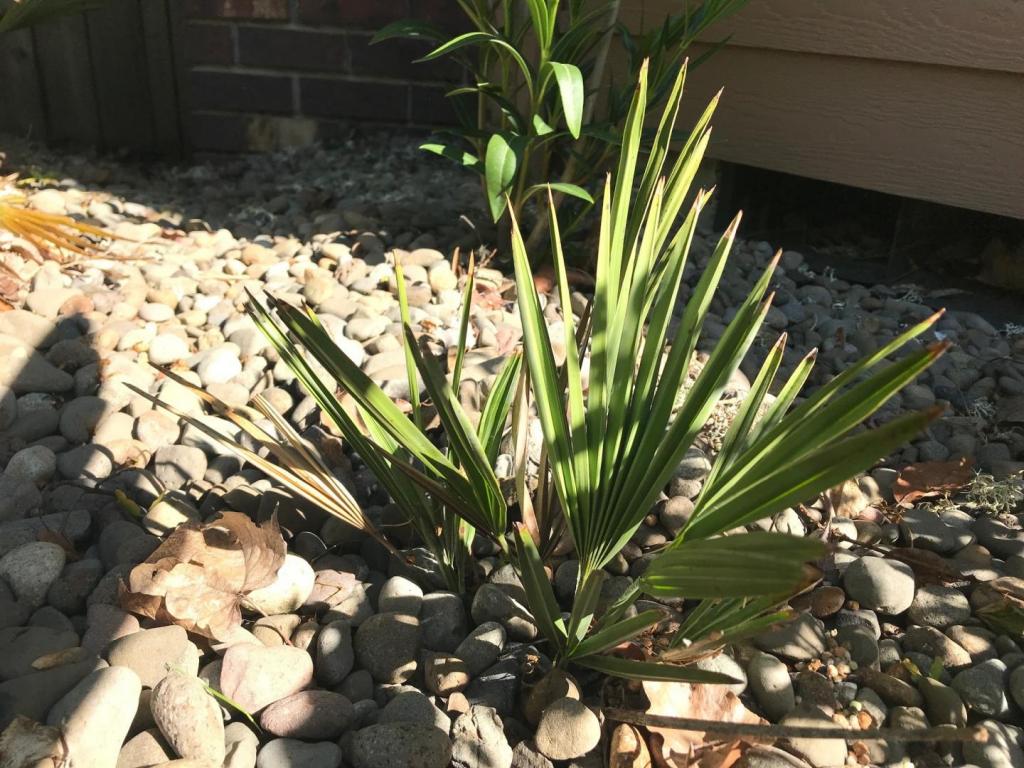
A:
[23, 112]
[162, 71]
[121, 76]
[62, 55]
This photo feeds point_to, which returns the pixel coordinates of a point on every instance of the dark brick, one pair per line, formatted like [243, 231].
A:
[444, 13]
[280, 48]
[270, 10]
[358, 14]
[233, 92]
[430, 107]
[216, 133]
[208, 44]
[397, 59]
[353, 99]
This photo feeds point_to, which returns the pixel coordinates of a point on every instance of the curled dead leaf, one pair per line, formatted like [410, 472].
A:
[848, 499]
[198, 577]
[930, 479]
[25, 742]
[674, 747]
[628, 748]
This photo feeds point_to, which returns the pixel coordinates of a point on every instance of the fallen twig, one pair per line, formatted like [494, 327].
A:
[633, 717]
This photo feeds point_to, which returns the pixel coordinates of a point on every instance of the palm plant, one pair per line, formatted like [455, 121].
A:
[613, 447]
[610, 447]
[448, 495]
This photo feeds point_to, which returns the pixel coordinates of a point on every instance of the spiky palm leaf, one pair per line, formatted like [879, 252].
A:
[613, 447]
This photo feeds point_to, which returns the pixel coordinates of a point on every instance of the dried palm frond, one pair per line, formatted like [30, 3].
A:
[299, 467]
[51, 234]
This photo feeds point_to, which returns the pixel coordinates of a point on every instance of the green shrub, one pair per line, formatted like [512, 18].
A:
[611, 447]
[528, 114]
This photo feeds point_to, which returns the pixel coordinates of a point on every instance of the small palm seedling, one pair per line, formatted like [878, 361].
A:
[527, 113]
[447, 494]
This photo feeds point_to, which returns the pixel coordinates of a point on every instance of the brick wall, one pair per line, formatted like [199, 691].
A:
[263, 74]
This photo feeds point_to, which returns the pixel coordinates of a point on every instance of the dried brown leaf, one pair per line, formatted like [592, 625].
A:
[929, 479]
[628, 748]
[723, 756]
[28, 744]
[699, 701]
[848, 499]
[198, 577]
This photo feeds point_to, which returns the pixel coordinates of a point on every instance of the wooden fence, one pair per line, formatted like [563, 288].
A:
[104, 79]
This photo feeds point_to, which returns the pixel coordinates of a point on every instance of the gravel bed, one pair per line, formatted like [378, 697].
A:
[362, 660]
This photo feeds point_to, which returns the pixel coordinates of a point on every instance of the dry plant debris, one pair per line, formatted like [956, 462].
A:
[677, 748]
[929, 479]
[40, 235]
[198, 577]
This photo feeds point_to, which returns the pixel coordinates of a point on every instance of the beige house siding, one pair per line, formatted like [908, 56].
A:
[921, 98]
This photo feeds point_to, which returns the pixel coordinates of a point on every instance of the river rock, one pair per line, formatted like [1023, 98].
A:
[492, 603]
[880, 584]
[443, 621]
[568, 729]
[938, 606]
[388, 644]
[818, 752]
[144, 750]
[478, 739]
[241, 746]
[799, 640]
[400, 595]
[34, 695]
[309, 715]
[189, 718]
[95, 716]
[289, 753]
[31, 569]
[21, 646]
[410, 745]
[335, 655]
[983, 688]
[151, 652]
[482, 647]
[255, 676]
[771, 685]
[292, 584]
